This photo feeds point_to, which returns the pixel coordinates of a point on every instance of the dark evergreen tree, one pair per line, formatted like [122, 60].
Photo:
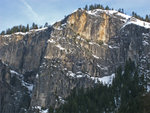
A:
[86, 7]
[107, 8]
[46, 24]
[123, 96]
[121, 10]
[91, 7]
[8, 31]
[20, 28]
[3, 33]
[27, 28]
[147, 18]
[23, 29]
[40, 27]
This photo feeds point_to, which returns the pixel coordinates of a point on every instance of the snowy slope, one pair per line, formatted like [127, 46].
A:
[125, 18]
[25, 33]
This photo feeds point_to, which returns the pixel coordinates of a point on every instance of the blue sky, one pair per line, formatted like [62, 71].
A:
[16, 12]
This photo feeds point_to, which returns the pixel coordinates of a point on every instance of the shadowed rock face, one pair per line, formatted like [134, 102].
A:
[5, 90]
[14, 97]
[24, 52]
[73, 53]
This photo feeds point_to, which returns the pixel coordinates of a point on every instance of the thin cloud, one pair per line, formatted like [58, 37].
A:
[32, 14]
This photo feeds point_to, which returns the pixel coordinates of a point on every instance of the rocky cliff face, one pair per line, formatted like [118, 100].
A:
[24, 51]
[92, 27]
[81, 50]
[5, 89]
[15, 95]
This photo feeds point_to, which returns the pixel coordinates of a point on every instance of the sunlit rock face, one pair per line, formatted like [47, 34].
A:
[94, 26]
[81, 50]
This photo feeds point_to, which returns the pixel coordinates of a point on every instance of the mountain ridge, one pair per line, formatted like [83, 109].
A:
[131, 19]
[78, 51]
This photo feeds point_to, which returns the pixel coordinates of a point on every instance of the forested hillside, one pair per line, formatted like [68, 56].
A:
[125, 95]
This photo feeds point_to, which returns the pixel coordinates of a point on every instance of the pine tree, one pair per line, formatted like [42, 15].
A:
[133, 13]
[86, 7]
[107, 8]
[46, 24]
[147, 18]
[23, 29]
[36, 26]
[27, 28]
[8, 31]
[3, 33]
[20, 28]
[33, 25]
[91, 7]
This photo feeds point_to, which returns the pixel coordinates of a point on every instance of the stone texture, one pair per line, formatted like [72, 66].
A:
[66, 56]
[75, 43]
[14, 97]
[24, 52]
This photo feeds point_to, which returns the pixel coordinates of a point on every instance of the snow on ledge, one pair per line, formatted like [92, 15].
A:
[16, 73]
[47, 57]
[107, 80]
[60, 47]
[21, 33]
[40, 109]
[95, 56]
[51, 41]
[148, 88]
[6, 35]
[41, 29]
[145, 43]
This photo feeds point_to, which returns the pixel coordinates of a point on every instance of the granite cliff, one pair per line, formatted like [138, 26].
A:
[38, 69]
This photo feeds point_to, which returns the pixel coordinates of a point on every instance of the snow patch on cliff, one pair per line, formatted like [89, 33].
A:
[40, 109]
[21, 78]
[95, 56]
[6, 35]
[51, 41]
[21, 33]
[61, 99]
[41, 29]
[105, 80]
[60, 47]
[27, 85]
[145, 43]
[113, 47]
